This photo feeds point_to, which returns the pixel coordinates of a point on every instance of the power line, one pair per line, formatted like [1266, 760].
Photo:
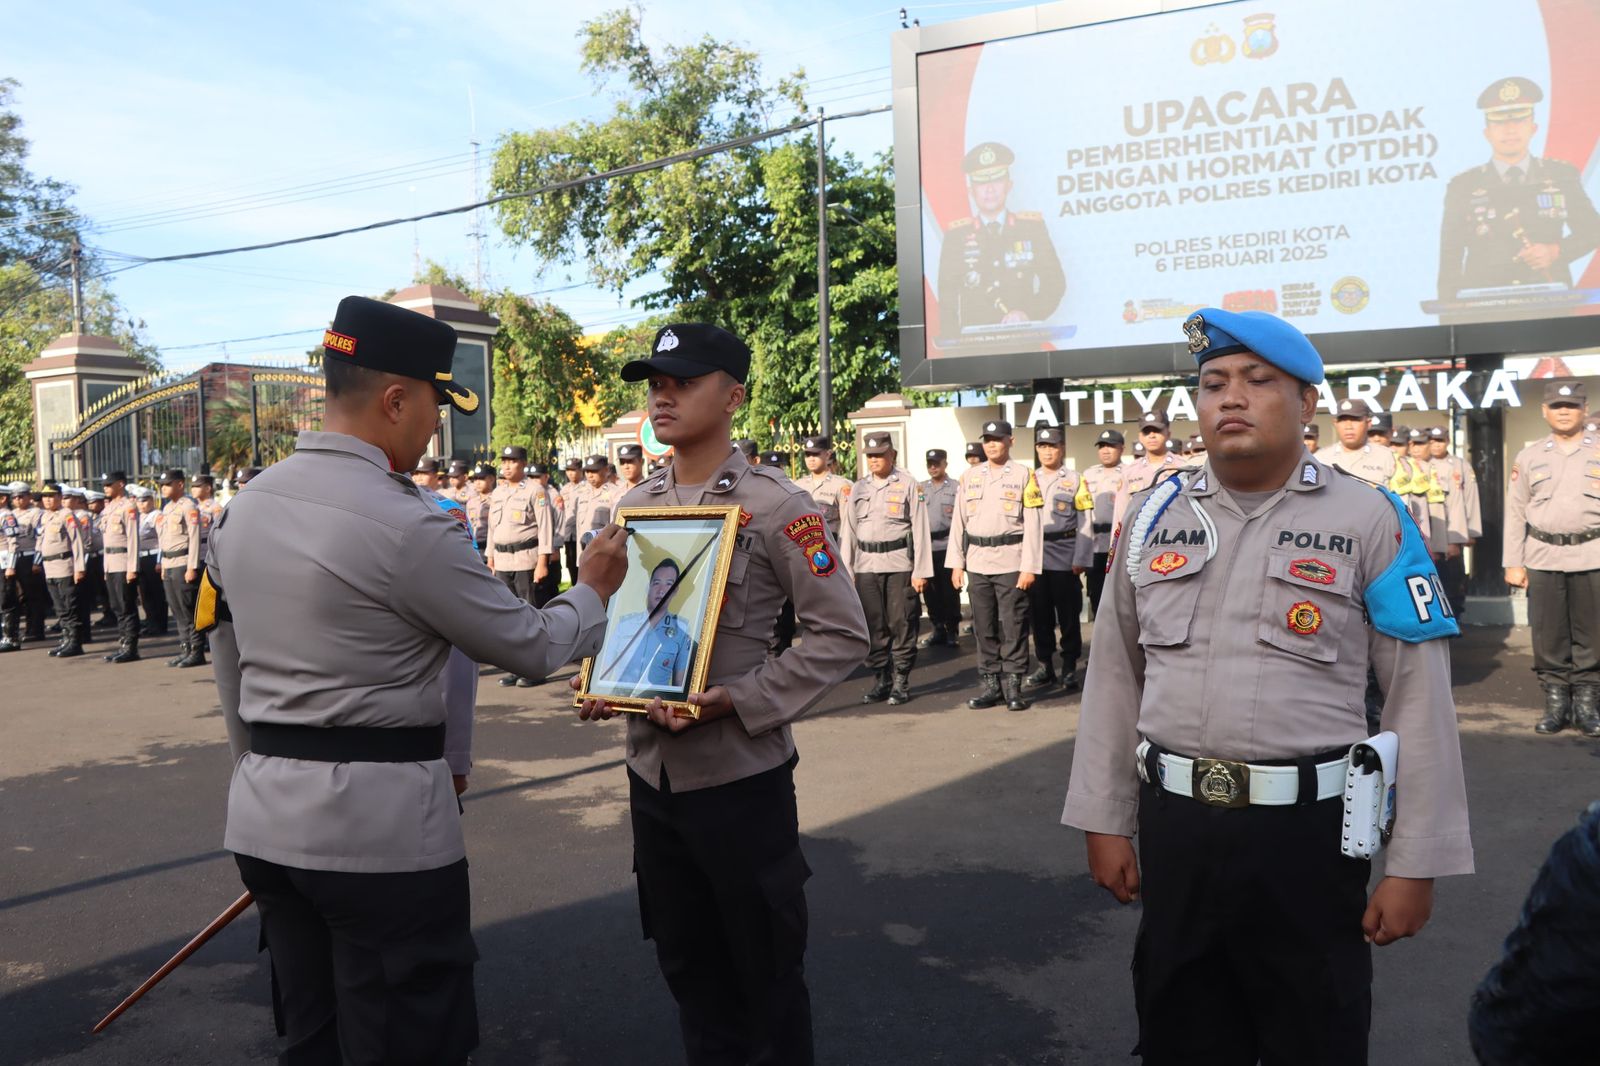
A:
[557, 186]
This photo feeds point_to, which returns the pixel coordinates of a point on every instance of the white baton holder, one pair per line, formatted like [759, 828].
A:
[1369, 796]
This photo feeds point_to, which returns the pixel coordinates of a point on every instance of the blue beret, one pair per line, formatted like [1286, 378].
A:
[1213, 332]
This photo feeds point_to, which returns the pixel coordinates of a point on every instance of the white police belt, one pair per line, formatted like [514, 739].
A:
[1224, 783]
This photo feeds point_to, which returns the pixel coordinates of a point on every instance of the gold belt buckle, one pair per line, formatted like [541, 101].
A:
[1221, 783]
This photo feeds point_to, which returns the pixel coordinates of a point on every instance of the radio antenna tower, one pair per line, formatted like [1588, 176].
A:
[475, 233]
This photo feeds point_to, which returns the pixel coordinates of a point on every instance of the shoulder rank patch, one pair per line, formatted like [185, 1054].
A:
[1313, 570]
[811, 535]
[1031, 496]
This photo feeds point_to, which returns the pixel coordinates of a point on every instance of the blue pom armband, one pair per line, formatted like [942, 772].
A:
[1407, 600]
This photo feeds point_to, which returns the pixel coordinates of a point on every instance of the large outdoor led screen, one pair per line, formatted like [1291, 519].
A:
[1401, 179]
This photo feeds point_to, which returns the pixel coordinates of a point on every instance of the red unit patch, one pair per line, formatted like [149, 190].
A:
[1167, 562]
[1313, 570]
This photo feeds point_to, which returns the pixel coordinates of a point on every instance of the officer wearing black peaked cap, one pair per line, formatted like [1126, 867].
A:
[342, 815]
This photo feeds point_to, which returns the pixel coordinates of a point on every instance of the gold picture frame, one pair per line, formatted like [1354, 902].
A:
[661, 624]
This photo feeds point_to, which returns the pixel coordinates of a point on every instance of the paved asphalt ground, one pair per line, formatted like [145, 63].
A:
[952, 920]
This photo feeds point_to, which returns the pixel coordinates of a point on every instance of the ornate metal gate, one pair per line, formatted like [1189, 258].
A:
[214, 420]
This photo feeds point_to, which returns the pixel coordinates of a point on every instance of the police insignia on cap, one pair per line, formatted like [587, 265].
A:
[668, 341]
[986, 157]
[339, 342]
[1510, 92]
[990, 427]
[1195, 329]
[1565, 390]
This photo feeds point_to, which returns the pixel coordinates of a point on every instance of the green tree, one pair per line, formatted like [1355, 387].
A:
[542, 369]
[729, 238]
[37, 228]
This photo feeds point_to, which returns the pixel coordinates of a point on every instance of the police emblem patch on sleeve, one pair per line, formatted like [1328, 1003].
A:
[810, 534]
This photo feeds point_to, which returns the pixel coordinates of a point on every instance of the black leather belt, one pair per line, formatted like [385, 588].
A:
[1100, 527]
[879, 547]
[348, 743]
[1005, 540]
[939, 534]
[58, 555]
[1565, 540]
[519, 546]
[116, 551]
[1061, 534]
[179, 554]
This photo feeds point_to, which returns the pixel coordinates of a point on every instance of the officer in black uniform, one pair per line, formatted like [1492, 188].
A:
[1517, 219]
[999, 267]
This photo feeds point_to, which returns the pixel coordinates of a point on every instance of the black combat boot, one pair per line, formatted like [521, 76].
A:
[529, 682]
[1012, 684]
[936, 639]
[122, 646]
[1557, 708]
[183, 653]
[1069, 677]
[901, 690]
[1586, 709]
[1043, 677]
[128, 654]
[988, 695]
[11, 634]
[879, 691]
[70, 649]
[196, 656]
[60, 646]
[509, 681]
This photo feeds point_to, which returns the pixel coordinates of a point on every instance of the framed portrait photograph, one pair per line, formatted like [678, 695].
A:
[661, 623]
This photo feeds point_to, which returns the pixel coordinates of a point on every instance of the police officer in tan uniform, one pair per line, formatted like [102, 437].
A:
[572, 470]
[888, 549]
[829, 490]
[1552, 549]
[716, 842]
[592, 504]
[456, 474]
[544, 591]
[1103, 481]
[974, 453]
[1056, 599]
[939, 495]
[1219, 713]
[178, 531]
[997, 537]
[119, 532]
[1353, 452]
[10, 585]
[62, 554]
[1464, 516]
[521, 535]
[1155, 464]
[630, 467]
[426, 475]
[343, 812]
[33, 595]
[480, 490]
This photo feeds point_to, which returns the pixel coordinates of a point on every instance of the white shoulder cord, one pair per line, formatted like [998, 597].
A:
[1154, 505]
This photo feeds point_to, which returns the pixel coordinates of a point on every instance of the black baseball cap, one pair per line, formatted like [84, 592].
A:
[1311, 430]
[747, 446]
[114, 475]
[1047, 435]
[595, 464]
[458, 467]
[246, 473]
[514, 451]
[692, 350]
[877, 444]
[1158, 419]
[1568, 392]
[775, 458]
[1381, 423]
[382, 336]
[1352, 409]
[537, 469]
[974, 449]
[483, 470]
[935, 455]
[817, 444]
[202, 479]
[573, 464]
[427, 465]
[1110, 436]
[170, 476]
[1437, 433]
[999, 429]
[630, 453]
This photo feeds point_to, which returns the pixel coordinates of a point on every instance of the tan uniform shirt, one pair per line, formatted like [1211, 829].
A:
[995, 503]
[881, 511]
[1139, 475]
[120, 537]
[61, 543]
[783, 552]
[590, 509]
[1453, 511]
[210, 510]
[348, 588]
[90, 523]
[1556, 489]
[1200, 656]
[1066, 545]
[178, 532]
[1369, 462]
[939, 497]
[1105, 484]
[558, 516]
[477, 505]
[25, 533]
[149, 535]
[829, 491]
[1456, 476]
[459, 495]
[569, 494]
[521, 525]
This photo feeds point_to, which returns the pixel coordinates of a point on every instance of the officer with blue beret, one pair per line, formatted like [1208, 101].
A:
[1223, 722]
[1518, 219]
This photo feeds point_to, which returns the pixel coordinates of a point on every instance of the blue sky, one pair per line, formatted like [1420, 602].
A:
[189, 126]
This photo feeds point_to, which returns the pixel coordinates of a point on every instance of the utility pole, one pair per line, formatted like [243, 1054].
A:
[77, 285]
[476, 233]
[824, 369]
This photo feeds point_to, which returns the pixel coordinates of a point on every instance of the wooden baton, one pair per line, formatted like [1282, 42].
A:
[237, 908]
